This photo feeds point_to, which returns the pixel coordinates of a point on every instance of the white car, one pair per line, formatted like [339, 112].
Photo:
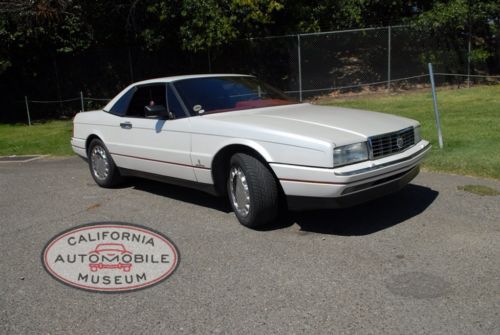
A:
[234, 135]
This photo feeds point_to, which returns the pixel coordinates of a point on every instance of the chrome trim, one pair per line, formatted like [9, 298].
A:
[379, 166]
[370, 148]
[394, 132]
[99, 162]
[390, 134]
[379, 182]
[239, 191]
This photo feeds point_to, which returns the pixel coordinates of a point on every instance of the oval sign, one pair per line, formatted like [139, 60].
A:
[110, 257]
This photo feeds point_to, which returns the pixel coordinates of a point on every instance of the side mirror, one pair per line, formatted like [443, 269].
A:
[155, 111]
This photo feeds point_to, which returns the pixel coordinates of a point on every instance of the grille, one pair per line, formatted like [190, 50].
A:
[392, 143]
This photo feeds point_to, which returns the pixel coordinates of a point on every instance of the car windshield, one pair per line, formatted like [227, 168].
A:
[226, 94]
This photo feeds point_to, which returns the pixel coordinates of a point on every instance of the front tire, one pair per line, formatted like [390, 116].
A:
[252, 190]
[102, 167]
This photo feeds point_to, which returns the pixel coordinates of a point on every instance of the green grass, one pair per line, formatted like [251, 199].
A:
[48, 138]
[470, 121]
[479, 190]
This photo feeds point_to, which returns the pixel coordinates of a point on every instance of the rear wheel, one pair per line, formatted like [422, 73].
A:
[253, 191]
[102, 167]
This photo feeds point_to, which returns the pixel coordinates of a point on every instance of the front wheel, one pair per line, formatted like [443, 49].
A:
[102, 167]
[253, 191]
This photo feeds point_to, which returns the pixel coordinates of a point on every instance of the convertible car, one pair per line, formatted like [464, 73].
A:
[234, 135]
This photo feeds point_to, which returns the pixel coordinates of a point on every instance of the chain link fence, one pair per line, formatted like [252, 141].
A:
[303, 65]
[307, 65]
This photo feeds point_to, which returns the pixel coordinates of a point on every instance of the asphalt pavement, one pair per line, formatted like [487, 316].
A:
[423, 261]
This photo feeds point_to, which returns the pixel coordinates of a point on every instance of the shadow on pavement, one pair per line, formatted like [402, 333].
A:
[368, 218]
[179, 193]
[361, 220]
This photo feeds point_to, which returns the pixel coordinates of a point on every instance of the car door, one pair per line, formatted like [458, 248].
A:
[157, 145]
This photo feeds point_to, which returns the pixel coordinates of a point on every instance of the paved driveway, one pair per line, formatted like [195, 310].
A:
[423, 261]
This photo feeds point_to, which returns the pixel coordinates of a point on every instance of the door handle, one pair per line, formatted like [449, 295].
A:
[126, 125]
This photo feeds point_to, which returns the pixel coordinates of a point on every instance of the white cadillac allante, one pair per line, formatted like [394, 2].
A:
[235, 135]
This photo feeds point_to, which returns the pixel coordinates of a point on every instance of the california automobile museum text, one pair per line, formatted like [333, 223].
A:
[107, 257]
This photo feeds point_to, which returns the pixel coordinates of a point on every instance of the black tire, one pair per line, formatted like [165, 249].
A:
[112, 177]
[262, 189]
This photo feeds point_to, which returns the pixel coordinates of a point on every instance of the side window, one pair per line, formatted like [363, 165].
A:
[149, 95]
[120, 107]
[174, 106]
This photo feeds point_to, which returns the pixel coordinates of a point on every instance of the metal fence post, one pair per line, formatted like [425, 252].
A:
[27, 109]
[469, 41]
[81, 101]
[300, 66]
[436, 111]
[389, 57]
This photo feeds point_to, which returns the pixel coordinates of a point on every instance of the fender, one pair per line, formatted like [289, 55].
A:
[95, 133]
[245, 142]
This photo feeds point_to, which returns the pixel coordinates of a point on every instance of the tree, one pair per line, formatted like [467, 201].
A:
[34, 28]
[210, 23]
[453, 24]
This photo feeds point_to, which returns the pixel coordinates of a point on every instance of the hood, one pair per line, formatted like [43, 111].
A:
[335, 125]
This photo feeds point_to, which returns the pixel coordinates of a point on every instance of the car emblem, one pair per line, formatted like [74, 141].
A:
[400, 142]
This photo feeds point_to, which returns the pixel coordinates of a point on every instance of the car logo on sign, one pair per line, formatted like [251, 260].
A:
[110, 257]
[110, 249]
[400, 142]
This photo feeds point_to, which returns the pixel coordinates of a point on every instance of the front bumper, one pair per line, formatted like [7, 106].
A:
[377, 190]
[310, 187]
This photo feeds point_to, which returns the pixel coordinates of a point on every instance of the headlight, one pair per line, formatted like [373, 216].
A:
[416, 131]
[349, 154]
